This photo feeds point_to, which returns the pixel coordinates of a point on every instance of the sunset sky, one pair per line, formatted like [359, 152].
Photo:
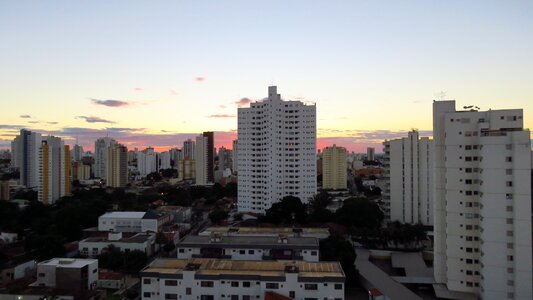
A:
[153, 73]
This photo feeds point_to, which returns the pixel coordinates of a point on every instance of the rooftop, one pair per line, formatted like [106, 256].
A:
[124, 214]
[266, 230]
[68, 262]
[137, 238]
[249, 241]
[209, 266]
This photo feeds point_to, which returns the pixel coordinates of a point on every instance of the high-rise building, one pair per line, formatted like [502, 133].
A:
[188, 149]
[370, 153]
[224, 159]
[186, 169]
[77, 153]
[334, 176]
[25, 156]
[100, 152]
[164, 160]
[201, 161]
[234, 156]
[4, 190]
[408, 196]
[116, 165]
[482, 201]
[277, 152]
[210, 160]
[147, 161]
[54, 170]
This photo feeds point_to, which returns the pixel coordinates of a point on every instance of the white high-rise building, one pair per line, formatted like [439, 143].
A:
[201, 160]
[100, 152]
[277, 148]
[164, 160]
[408, 196]
[147, 161]
[77, 152]
[482, 199]
[25, 150]
[54, 170]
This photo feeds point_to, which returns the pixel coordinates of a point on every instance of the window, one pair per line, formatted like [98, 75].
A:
[147, 295]
[242, 252]
[246, 284]
[171, 282]
[311, 286]
[292, 294]
[207, 297]
[338, 286]
[188, 291]
[272, 285]
[235, 284]
[42, 275]
[171, 296]
[145, 280]
[313, 253]
[234, 297]
[509, 159]
[206, 284]
[181, 250]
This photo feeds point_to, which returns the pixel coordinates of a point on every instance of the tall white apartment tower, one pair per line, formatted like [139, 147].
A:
[408, 196]
[100, 155]
[188, 149]
[277, 148]
[482, 202]
[25, 150]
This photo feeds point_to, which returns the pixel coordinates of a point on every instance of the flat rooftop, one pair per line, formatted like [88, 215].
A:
[137, 238]
[265, 230]
[124, 214]
[68, 262]
[210, 266]
[249, 242]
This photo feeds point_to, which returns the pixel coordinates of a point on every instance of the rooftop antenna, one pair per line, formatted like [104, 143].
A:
[441, 95]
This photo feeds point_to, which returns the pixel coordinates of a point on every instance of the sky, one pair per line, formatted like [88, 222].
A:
[153, 73]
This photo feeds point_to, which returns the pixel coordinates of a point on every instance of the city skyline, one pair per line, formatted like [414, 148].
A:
[155, 75]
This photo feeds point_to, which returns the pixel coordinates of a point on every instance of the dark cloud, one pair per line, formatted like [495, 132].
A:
[221, 116]
[110, 103]
[25, 116]
[52, 123]
[93, 119]
[243, 102]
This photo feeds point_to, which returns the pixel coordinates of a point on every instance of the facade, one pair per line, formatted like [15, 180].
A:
[132, 221]
[93, 246]
[10, 272]
[334, 174]
[201, 160]
[249, 247]
[165, 161]
[100, 156]
[4, 191]
[188, 149]
[234, 156]
[277, 148]
[25, 157]
[80, 171]
[186, 169]
[67, 273]
[408, 195]
[482, 211]
[54, 170]
[224, 159]
[370, 153]
[147, 161]
[210, 279]
[116, 166]
[77, 153]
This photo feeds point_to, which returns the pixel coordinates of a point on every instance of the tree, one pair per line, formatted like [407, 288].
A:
[359, 212]
[289, 210]
[231, 189]
[218, 215]
[169, 247]
[336, 248]
[134, 260]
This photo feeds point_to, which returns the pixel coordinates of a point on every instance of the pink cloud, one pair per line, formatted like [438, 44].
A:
[110, 103]
[138, 89]
[200, 79]
[173, 92]
[222, 106]
[221, 116]
[92, 119]
[243, 102]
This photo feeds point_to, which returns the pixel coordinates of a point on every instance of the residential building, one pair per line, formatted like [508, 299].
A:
[25, 157]
[133, 221]
[408, 196]
[224, 159]
[13, 270]
[93, 246]
[203, 161]
[67, 273]
[210, 279]
[319, 233]
[249, 247]
[482, 202]
[77, 153]
[54, 170]
[188, 149]
[234, 157]
[116, 167]
[186, 169]
[100, 156]
[147, 161]
[4, 191]
[334, 171]
[164, 161]
[80, 171]
[370, 153]
[277, 148]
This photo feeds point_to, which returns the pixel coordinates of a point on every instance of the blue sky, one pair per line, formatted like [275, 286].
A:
[371, 66]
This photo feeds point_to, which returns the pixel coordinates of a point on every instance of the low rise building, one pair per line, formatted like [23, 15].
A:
[249, 247]
[67, 273]
[210, 279]
[13, 271]
[319, 233]
[111, 280]
[133, 221]
[181, 214]
[4, 190]
[93, 246]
